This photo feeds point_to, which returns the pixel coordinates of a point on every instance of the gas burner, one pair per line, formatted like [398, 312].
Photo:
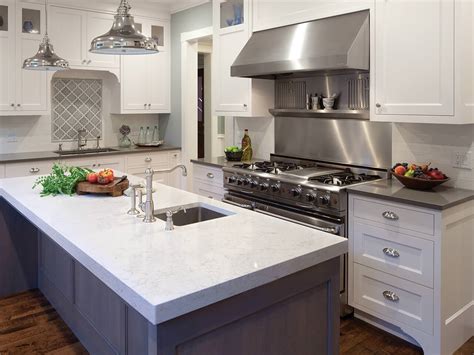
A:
[270, 167]
[344, 178]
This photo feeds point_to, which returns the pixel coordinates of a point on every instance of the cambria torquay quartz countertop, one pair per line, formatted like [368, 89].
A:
[164, 274]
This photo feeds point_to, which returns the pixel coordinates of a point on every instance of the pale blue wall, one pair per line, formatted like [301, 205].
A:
[184, 21]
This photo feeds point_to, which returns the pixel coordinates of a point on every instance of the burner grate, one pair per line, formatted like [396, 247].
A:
[345, 178]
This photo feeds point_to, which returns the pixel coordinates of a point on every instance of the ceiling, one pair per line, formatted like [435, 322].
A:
[172, 5]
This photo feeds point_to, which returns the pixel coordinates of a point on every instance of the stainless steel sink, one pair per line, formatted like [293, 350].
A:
[85, 151]
[195, 213]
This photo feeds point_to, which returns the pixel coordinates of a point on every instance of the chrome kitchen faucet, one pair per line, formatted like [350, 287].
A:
[149, 205]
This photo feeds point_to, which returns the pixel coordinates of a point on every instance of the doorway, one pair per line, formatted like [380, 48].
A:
[201, 106]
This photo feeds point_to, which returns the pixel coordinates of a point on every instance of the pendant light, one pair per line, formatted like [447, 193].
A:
[123, 38]
[45, 59]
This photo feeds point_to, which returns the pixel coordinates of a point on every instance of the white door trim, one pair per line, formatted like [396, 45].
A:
[189, 67]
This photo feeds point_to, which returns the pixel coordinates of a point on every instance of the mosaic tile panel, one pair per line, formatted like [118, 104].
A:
[76, 104]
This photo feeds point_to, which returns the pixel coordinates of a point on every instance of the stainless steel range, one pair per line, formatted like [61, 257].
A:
[312, 192]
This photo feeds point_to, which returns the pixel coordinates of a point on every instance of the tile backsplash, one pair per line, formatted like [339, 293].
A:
[76, 104]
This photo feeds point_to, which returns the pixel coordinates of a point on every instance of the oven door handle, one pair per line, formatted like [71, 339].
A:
[252, 206]
[331, 230]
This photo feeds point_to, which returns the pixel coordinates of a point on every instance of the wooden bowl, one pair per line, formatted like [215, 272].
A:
[234, 156]
[418, 184]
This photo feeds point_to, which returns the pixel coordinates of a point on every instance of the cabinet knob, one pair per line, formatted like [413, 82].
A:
[391, 296]
[378, 105]
[12, 105]
[84, 61]
[245, 105]
[149, 105]
[18, 105]
[148, 159]
[89, 61]
[210, 175]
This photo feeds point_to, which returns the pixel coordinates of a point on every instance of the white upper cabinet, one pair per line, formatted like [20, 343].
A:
[22, 92]
[234, 96]
[145, 80]
[414, 58]
[270, 13]
[71, 33]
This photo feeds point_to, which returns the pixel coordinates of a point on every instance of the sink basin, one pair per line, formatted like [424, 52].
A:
[195, 213]
[85, 151]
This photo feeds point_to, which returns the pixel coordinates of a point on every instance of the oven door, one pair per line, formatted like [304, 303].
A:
[328, 225]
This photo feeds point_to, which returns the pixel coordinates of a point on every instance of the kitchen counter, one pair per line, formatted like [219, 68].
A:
[439, 198]
[218, 162]
[29, 156]
[162, 274]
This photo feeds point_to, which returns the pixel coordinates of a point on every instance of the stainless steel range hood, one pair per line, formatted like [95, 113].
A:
[337, 43]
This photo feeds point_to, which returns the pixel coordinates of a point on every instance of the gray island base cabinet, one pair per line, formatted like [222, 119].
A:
[297, 314]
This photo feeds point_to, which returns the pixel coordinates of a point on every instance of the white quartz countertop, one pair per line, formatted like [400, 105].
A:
[167, 274]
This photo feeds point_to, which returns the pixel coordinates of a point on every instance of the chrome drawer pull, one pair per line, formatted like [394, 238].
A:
[390, 215]
[391, 296]
[391, 252]
[210, 175]
[34, 170]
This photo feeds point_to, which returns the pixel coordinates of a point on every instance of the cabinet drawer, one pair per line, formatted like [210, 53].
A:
[147, 160]
[397, 215]
[207, 190]
[208, 175]
[398, 254]
[28, 169]
[412, 304]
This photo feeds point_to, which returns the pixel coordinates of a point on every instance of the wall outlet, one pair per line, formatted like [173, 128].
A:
[11, 137]
[462, 160]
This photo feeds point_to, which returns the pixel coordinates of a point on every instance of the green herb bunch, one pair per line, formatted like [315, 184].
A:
[62, 180]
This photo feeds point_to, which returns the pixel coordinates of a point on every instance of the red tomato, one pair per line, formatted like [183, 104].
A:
[92, 178]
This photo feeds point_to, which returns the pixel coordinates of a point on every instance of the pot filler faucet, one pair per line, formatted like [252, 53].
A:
[149, 206]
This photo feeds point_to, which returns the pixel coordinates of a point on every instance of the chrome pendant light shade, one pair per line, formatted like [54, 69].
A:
[123, 38]
[45, 59]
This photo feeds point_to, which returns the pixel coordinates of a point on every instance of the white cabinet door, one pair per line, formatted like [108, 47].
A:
[98, 24]
[7, 57]
[134, 81]
[414, 57]
[31, 86]
[231, 94]
[67, 28]
[159, 82]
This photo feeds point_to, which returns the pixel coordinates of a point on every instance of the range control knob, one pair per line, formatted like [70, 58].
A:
[232, 179]
[310, 197]
[296, 191]
[275, 187]
[264, 187]
[325, 199]
[240, 181]
[246, 181]
[253, 183]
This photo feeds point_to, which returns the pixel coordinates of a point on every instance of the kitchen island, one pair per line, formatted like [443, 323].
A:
[243, 283]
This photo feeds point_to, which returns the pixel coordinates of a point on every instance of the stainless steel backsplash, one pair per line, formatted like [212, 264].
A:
[352, 142]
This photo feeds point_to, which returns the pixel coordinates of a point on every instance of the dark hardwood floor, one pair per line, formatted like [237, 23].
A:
[30, 325]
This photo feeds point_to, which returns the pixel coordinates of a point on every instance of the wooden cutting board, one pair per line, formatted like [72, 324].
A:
[113, 189]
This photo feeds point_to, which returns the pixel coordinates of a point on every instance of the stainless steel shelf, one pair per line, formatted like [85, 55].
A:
[343, 114]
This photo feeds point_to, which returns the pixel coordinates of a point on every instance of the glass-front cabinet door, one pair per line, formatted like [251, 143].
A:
[31, 86]
[231, 13]
[7, 56]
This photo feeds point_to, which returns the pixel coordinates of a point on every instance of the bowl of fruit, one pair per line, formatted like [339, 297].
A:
[233, 153]
[418, 177]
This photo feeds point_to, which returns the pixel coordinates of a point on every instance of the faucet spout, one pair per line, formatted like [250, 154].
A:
[149, 205]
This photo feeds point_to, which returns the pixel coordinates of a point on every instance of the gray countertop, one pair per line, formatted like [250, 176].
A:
[30, 156]
[218, 162]
[439, 198]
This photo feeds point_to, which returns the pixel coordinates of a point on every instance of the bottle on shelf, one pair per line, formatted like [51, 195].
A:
[148, 136]
[141, 136]
[247, 146]
[156, 135]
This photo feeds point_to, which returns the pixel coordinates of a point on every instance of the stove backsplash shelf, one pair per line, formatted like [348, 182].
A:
[352, 100]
